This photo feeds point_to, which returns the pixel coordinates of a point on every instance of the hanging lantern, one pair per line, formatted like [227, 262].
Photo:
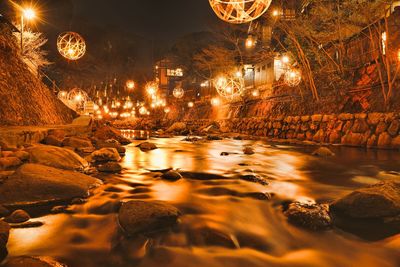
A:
[130, 84]
[76, 99]
[190, 104]
[292, 77]
[71, 45]
[143, 110]
[229, 87]
[178, 92]
[239, 11]
[62, 95]
[151, 88]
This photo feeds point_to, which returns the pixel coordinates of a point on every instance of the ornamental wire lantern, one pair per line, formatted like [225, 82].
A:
[178, 92]
[62, 95]
[143, 110]
[292, 77]
[71, 45]
[152, 88]
[239, 11]
[77, 99]
[229, 87]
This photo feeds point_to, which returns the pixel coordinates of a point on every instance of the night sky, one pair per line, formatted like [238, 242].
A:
[153, 19]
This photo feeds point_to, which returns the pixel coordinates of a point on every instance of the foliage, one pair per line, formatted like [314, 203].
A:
[33, 54]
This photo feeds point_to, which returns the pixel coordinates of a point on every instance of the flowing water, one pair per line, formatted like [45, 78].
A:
[222, 223]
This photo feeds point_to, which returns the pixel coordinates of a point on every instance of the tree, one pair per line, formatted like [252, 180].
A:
[32, 54]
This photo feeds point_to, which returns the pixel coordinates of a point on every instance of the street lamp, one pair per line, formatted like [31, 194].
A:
[28, 14]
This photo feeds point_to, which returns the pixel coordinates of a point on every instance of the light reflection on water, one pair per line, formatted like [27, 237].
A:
[219, 227]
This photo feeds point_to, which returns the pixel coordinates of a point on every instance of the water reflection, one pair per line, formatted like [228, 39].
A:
[221, 225]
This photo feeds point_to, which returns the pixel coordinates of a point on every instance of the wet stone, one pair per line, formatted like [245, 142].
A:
[137, 217]
[248, 151]
[171, 176]
[18, 216]
[110, 167]
[254, 179]
[323, 152]
[105, 155]
[310, 216]
[146, 146]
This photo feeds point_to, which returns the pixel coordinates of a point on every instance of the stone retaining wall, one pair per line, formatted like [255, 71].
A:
[373, 130]
[362, 130]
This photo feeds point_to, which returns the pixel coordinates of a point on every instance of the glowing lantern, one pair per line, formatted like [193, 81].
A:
[250, 42]
[292, 77]
[62, 95]
[142, 110]
[239, 11]
[71, 45]
[178, 92]
[167, 110]
[190, 104]
[152, 88]
[215, 101]
[130, 84]
[255, 93]
[229, 87]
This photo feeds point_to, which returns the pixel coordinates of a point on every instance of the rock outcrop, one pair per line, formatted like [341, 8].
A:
[38, 184]
[57, 157]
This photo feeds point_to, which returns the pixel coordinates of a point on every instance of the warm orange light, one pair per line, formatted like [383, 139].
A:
[215, 101]
[398, 55]
[28, 13]
[250, 42]
[255, 93]
[275, 13]
[130, 84]
[190, 104]
[285, 59]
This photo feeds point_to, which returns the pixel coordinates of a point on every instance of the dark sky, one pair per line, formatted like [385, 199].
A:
[153, 19]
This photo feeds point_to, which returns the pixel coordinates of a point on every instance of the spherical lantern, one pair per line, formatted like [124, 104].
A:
[71, 45]
[229, 87]
[190, 104]
[239, 11]
[292, 77]
[77, 98]
[178, 92]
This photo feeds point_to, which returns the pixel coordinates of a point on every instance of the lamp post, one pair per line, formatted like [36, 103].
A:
[27, 14]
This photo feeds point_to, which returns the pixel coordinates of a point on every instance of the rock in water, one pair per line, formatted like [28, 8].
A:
[53, 140]
[146, 146]
[38, 184]
[323, 152]
[77, 142]
[248, 151]
[177, 127]
[27, 261]
[110, 167]
[57, 157]
[107, 132]
[375, 201]
[137, 217]
[171, 176]
[106, 154]
[311, 216]
[18, 216]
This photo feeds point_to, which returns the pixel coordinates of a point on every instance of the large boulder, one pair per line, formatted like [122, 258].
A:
[107, 132]
[376, 201]
[137, 217]
[105, 155]
[311, 216]
[57, 157]
[77, 142]
[177, 127]
[38, 184]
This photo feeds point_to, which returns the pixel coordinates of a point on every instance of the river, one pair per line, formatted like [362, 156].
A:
[222, 223]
